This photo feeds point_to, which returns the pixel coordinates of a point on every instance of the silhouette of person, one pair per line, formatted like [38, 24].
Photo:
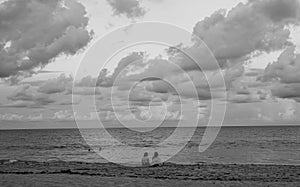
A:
[145, 160]
[156, 161]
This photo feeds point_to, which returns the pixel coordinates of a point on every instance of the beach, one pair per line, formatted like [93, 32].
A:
[79, 180]
[252, 156]
[60, 173]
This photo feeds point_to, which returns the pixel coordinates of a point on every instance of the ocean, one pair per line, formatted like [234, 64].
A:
[278, 145]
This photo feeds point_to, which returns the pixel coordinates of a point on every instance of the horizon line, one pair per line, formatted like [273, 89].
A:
[225, 126]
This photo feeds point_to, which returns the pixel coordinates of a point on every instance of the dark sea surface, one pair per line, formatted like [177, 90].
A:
[268, 145]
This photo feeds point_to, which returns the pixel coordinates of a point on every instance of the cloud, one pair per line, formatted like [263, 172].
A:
[286, 91]
[284, 75]
[19, 117]
[161, 76]
[254, 72]
[33, 33]
[286, 69]
[144, 98]
[244, 98]
[246, 89]
[140, 97]
[202, 57]
[35, 117]
[22, 104]
[85, 91]
[64, 85]
[26, 94]
[288, 114]
[56, 85]
[129, 8]
[161, 87]
[233, 37]
[54, 91]
[11, 116]
[63, 115]
[255, 26]
[69, 101]
[263, 117]
[87, 81]
[123, 67]
[232, 74]
[278, 10]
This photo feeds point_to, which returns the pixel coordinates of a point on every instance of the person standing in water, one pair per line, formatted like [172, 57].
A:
[156, 160]
[145, 160]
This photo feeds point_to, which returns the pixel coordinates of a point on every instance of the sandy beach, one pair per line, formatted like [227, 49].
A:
[28, 173]
[80, 180]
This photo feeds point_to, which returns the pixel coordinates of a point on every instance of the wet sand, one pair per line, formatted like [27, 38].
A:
[79, 180]
[59, 173]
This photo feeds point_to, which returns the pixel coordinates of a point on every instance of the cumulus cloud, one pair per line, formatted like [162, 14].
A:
[87, 81]
[287, 91]
[286, 69]
[54, 91]
[129, 8]
[255, 26]
[35, 117]
[161, 76]
[56, 85]
[123, 67]
[11, 116]
[21, 104]
[233, 37]
[63, 115]
[161, 86]
[63, 84]
[289, 113]
[26, 95]
[284, 73]
[33, 33]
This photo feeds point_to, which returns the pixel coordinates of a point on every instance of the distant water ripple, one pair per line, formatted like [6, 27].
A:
[273, 145]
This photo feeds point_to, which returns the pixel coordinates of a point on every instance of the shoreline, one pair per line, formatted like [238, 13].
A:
[65, 180]
[137, 127]
[169, 171]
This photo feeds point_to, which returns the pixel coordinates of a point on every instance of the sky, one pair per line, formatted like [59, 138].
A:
[66, 60]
